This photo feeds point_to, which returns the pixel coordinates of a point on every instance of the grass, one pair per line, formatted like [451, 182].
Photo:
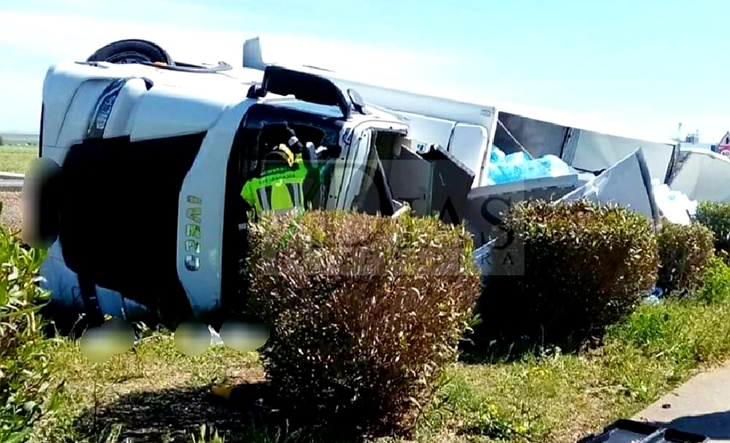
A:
[17, 159]
[156, 394]
[152, 393]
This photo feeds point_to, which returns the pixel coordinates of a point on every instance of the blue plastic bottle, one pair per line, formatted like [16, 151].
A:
[496, 156]
[517, 158]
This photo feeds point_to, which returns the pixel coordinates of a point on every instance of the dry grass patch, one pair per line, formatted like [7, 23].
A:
[151, 393]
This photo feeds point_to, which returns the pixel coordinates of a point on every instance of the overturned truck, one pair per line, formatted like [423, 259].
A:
[141, 203]
[148, 157]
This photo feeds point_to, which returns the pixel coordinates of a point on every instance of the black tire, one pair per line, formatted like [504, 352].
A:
[131, 51]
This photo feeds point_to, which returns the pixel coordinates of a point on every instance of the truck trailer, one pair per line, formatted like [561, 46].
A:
[469, 129]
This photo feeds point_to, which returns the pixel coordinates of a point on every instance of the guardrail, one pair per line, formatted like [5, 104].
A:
[11, 182]
[11, 176]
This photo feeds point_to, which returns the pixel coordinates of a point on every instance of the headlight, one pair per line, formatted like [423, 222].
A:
[103, 108]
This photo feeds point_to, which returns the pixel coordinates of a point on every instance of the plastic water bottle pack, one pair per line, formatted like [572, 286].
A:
[518, 166]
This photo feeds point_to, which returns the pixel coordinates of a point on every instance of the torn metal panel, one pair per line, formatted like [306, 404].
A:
[432, 183]
[699, 175]
[595, 151]
[538, 137]
[627, 183]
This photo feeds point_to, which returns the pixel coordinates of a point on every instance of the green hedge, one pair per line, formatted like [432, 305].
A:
[585, 267]
[716, 282]
[365, 312]
[25, 379]
[716, 217]
[685, 251]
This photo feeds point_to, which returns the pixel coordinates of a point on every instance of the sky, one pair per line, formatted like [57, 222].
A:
[644, 65]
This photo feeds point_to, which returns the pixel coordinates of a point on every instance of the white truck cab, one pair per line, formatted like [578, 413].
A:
[153, 159]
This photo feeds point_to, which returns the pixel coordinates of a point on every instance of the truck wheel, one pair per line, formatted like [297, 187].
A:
[131, 51]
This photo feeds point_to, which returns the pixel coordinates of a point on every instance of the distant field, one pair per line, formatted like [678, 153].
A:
[16, 138]
[17, 158]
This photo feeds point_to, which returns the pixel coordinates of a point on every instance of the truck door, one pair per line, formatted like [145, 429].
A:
[358, 180]
[351, 167]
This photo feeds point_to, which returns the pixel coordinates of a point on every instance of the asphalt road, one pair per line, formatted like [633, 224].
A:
[701, 406]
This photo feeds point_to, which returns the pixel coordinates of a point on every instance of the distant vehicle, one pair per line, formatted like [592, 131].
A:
[723, 148]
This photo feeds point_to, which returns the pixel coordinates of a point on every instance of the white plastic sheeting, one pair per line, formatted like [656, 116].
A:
[702, 175]
[674, 205]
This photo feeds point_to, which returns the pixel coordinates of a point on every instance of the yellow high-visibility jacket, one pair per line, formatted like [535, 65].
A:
[279, 190]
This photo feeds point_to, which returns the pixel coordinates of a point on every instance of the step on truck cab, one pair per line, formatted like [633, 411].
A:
[144, 210]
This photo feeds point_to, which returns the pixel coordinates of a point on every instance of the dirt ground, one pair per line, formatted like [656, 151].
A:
[11, 214]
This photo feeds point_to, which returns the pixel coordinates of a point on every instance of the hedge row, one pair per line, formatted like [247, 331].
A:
[716, 216]
[587, 266]
[684, 253]
[366, 311]
[25, 379]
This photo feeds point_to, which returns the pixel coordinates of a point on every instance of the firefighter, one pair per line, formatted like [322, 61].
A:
[279, 186]
[284, 178]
